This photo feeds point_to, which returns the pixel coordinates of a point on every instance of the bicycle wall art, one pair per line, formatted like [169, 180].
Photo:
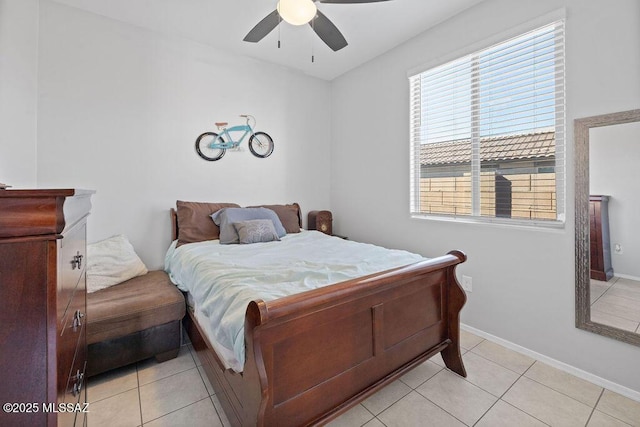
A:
[212, 146]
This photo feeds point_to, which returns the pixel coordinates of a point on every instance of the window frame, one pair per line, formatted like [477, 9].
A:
[554, 18]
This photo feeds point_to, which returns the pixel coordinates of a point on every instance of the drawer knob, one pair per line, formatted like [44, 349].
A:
[77, 319]
[77, 385]
[76, 262]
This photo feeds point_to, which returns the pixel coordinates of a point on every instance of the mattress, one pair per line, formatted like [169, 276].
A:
[221, 280]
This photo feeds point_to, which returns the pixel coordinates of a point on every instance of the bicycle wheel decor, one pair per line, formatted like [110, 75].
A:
[261, 144]
[205, 149]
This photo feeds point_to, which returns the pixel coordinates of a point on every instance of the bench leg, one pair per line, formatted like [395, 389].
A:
[167, 355]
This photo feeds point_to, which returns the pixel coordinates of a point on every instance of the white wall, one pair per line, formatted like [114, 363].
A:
[120, 108]
[18, 91]
[614, 155]
[523, 279]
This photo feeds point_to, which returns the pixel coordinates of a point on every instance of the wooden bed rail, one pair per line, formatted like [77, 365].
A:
[306, 301]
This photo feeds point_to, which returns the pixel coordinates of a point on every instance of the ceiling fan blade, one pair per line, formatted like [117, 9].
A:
[328, 32]
[350, 1]
[263, 27]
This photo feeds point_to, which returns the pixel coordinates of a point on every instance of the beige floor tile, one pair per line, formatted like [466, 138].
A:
[386, 397]
[206, 381]
[503, 356]
[150, 370]
[170, 394]
[600, 419]
[622, 292]
[620, 300]
[504, 415]
[629, 284]
[121, 410]
[620, 407]
[437, 359]
[199, 414]
[618, 306]
[354, 417]
[220, 411]
[546, 404]
[469, 340]
[374, 423]
[457, 396]
[111, 383]
[577, 388]
[194, 355]
[420, 373]
[598, 289]
[613, 320]
[414, 410]
[488, 375]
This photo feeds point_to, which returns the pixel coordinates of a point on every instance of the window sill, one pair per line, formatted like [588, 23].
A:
[537, 225]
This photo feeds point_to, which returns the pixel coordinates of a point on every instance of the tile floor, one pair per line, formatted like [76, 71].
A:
[503, 388]
[616, 303]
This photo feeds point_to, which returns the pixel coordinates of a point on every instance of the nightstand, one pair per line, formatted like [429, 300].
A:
[321, 221]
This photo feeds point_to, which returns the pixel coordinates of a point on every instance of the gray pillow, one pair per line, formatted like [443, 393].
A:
[225, 218]
[256, 231]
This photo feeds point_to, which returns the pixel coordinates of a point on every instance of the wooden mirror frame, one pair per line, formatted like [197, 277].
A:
[583, 291]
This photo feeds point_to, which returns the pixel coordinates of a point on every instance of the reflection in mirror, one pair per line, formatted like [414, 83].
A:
[614, 228]
[608, 225]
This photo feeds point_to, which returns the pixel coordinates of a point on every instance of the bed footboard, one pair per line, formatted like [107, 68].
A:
[311, 356]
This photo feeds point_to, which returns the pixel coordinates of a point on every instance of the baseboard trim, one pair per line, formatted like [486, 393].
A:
[609, 385]
[627, 276]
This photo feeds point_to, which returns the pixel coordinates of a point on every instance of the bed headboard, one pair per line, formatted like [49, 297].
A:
[174, 224]
[174, 221]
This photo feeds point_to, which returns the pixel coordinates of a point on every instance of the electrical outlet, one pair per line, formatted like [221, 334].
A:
[467, 283]
[618, 248]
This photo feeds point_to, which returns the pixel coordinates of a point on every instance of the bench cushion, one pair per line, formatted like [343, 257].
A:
[134, 305]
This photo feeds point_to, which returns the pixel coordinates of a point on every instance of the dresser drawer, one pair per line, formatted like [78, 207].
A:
[71, 341]
[76, 394]
[74, 384]
[71, 264]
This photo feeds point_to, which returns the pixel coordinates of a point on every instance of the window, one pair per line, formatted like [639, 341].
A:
[487, 133]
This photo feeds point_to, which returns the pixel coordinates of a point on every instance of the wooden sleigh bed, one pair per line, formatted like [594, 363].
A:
[312, 356]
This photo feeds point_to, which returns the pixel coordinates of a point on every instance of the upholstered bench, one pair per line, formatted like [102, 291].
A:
[132, 321]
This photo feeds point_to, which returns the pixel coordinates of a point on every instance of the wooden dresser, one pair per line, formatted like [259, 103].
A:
[43, 348]
[600, 245]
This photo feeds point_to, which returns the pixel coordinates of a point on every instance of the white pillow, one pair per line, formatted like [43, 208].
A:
[112, 261]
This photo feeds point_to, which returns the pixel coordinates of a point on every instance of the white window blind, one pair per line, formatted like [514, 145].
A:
[487, 132]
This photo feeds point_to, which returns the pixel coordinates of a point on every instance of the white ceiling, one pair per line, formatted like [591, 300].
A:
[370, 29]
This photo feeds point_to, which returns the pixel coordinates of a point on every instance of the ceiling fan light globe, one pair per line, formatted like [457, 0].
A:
[297, 12]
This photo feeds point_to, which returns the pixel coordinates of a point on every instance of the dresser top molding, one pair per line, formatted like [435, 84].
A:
[41, 212]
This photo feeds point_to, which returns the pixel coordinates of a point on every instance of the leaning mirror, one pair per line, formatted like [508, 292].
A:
[607, 153]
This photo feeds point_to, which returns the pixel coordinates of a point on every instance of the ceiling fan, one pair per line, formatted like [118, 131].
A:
[300, 12]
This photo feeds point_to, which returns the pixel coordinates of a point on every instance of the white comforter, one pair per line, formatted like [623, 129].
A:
[223, 279]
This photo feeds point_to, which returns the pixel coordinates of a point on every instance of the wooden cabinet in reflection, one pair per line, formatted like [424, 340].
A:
[601, 268]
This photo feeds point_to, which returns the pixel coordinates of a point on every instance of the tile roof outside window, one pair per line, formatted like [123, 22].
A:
[538, 145]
